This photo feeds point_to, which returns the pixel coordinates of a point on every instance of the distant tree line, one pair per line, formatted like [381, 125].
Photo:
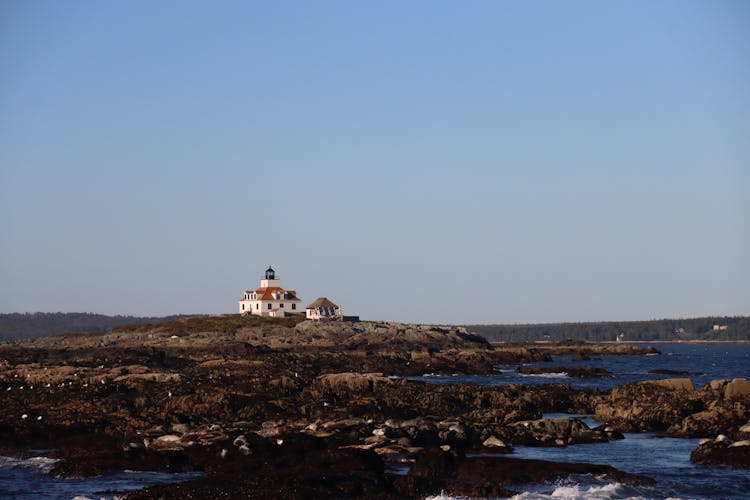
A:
[708, 328]
[15, 326]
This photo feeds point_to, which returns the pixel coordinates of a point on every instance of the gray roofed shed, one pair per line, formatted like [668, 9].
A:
[322, 302]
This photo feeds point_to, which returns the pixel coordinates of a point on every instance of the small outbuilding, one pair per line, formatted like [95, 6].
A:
[322, 308]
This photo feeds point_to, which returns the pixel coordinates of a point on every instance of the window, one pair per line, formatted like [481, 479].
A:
[270, 306]
[243, 307]
[257, 306]
[294, 306]
[281, 305]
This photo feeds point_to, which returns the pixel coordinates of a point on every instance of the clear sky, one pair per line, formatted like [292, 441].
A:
[431, 161]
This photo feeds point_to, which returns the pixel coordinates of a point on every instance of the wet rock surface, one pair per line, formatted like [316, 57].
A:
[662, 371]
[722, 451]
[294, 409]
[571, 371]
[676, 407]
[557, 432]
[489, 477]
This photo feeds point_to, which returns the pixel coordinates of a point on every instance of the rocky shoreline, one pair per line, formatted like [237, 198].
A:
[299, 409]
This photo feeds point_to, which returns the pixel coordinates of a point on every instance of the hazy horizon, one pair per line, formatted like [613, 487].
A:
[434, 162]
[380, 319]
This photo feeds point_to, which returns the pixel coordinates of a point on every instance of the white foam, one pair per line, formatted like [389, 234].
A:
[43, 464]
[545, 375]
[611, 490]
[444, 496]
[607, 491]
[84, 497]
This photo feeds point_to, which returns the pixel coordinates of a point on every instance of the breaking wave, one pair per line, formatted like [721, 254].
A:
[609, 491]
[40, 464]
[443, 496]
[545, 375]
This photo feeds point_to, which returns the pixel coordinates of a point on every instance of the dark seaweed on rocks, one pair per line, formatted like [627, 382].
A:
[296, 409]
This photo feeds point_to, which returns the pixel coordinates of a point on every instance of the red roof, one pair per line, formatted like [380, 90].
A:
[266, 293]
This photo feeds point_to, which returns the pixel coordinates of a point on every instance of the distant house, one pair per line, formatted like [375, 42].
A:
[322, 308]
[270, 299]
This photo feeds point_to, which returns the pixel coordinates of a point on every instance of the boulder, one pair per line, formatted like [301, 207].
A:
[454, 433]
[180, 428]
[703, 423]
[421, 432]
[653, 405]
[496, 444]
[552, 432]
[722, 452]
[737, 388]
[715, 385]
[662, 371]
[169, 442]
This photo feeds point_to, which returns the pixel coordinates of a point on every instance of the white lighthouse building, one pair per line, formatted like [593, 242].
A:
[270, 299]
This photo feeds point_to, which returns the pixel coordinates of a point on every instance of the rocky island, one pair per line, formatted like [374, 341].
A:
[296, 409]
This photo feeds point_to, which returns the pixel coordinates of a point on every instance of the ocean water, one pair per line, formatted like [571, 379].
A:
[704, 362]
[27, 479]
[665, 459]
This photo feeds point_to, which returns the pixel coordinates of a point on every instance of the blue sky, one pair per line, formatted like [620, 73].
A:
[443, 162]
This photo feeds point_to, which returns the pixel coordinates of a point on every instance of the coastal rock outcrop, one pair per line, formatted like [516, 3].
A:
[570, 371]
[648, 406]
[718, 418]
[555, 432]
[735, 389]
[268, 408]
[722, 451]
[487, 477]
[674, 406]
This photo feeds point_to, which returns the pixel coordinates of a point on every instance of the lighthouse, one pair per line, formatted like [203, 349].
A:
[270, 299]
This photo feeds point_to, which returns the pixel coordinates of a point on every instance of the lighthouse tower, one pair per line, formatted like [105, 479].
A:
[269, 280]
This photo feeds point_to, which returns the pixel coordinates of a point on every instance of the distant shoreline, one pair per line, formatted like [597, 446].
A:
[676, 342]
[546, 342]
